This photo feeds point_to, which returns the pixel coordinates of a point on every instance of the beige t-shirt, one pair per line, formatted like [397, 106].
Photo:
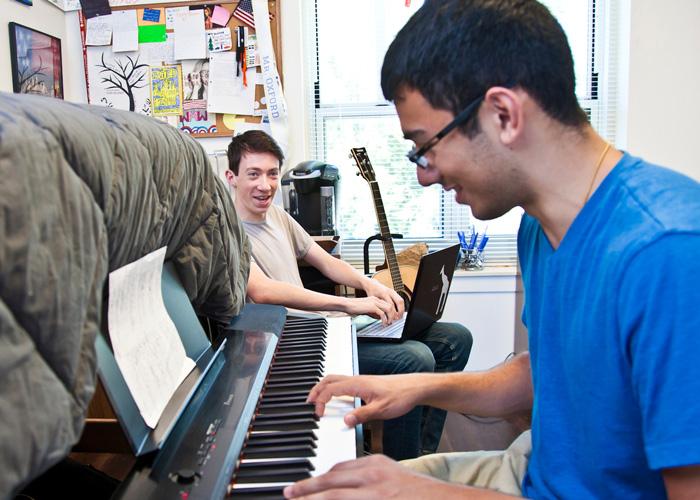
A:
[277, 243]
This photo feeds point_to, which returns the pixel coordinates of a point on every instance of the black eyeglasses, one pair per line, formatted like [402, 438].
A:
[417, 156]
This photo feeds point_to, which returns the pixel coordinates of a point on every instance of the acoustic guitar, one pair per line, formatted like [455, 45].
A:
[400, 278]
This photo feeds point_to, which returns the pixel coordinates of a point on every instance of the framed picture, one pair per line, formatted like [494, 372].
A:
[36, 62]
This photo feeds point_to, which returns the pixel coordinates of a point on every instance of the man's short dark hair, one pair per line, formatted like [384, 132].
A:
[252, 141]
[453, 51]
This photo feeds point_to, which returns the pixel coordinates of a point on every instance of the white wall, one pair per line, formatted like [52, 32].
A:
[664, 72]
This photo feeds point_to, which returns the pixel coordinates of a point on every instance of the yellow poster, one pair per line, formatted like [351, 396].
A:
[166, 90]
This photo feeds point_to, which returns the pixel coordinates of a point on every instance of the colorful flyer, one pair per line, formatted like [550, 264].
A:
[166, 90]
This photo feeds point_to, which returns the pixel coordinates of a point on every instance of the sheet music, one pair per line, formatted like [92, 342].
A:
[146, 344]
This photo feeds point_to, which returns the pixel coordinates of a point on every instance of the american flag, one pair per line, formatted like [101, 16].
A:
[244, 12]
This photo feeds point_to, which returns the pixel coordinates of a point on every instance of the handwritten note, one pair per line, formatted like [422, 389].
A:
[189, 35]
[159, 52]
[152, 15]
[126, 31]
[170, 14]
[227, 94]
[99, 30]
[147, 347]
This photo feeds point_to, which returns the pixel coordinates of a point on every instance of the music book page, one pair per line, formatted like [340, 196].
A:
[145, 341]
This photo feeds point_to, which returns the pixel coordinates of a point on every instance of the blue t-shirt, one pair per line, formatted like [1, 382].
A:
[614, 329]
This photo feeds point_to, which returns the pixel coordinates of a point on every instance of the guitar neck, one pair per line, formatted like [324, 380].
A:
[387, 242]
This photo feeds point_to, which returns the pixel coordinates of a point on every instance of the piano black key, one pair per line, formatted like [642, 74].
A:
[281, 438]
[281, 398]
[286, 387]
[293, 382]
[289, 364]
[278, 451]
[289, 393]
[273, 407]
[302, 335]
[292, 324]
[266, 493]
[291, 424]
[317, 356]
[285, 416]
[310, 344]
[314, 372]
[275, 465]
[290, 476]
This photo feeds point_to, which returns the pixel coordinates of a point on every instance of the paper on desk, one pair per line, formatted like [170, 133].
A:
[147, 347]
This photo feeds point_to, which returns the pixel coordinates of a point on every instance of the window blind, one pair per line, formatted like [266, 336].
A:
[344, 47]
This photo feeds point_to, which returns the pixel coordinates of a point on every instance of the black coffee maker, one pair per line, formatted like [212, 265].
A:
[308, 192]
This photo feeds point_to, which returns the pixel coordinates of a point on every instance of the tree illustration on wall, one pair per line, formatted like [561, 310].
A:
[125, 76]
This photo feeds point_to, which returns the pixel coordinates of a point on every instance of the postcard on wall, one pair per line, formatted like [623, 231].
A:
[195, 79]
[219, 39]
[166, 90]
[251, 51]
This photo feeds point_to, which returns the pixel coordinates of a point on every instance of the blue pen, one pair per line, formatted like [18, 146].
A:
[462, 240]
[473, 240]
[482, 243]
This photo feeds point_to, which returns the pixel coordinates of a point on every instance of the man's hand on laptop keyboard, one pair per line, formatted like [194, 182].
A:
[371, 306]
[374, 288]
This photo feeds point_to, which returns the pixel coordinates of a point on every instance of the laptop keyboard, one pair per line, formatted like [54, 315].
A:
[393, 330]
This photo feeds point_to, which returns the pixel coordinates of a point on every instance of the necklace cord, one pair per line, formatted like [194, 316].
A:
[595, 171]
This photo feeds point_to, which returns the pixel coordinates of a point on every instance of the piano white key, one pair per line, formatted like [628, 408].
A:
[336, 442]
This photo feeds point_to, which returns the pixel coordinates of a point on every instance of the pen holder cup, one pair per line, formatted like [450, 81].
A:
[471, 260]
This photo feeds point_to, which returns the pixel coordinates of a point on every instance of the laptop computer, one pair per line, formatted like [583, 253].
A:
[427, 303]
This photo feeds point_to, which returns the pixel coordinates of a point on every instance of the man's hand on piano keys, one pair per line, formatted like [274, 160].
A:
[385, 396]
[377, 477]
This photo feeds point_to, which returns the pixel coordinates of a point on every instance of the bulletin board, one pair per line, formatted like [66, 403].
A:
[125, 80]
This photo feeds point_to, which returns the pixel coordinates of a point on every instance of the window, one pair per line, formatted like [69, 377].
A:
[345, 46]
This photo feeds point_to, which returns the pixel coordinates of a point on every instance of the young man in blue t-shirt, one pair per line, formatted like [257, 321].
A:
[608, 248]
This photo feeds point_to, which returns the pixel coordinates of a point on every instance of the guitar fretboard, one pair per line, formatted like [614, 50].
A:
[389, 252]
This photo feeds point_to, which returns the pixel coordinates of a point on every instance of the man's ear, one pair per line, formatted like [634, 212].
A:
[231, 177]
[506, 112]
